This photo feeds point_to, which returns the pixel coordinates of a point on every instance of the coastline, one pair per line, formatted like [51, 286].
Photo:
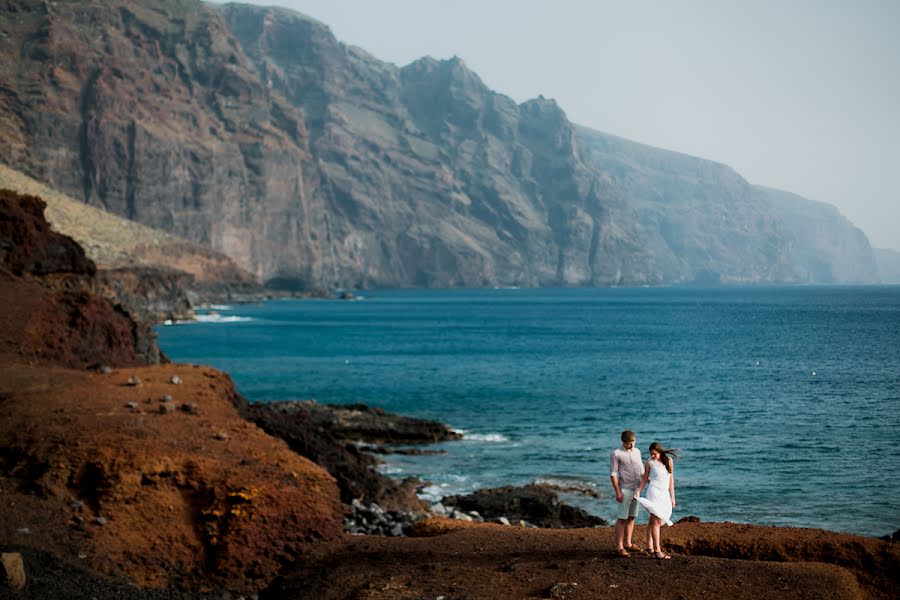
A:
[124, 475]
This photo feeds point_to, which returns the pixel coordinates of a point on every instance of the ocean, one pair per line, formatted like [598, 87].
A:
[784, 401]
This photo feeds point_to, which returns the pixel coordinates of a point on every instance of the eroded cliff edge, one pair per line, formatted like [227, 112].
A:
[315, 165]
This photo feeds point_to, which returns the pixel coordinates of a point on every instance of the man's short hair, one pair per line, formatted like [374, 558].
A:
[628, 435]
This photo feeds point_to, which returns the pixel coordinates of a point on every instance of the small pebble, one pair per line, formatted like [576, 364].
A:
[190, 407]
[134, 381]
[167, 398]
[105, 370]
[220, 435]
[166, 408]
[175, 380]
[101, 521]
[23, 530]
[132, 405]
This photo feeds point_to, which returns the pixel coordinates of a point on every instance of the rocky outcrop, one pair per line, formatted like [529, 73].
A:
[93, 470]
[533, 504]
[361, 423]
[314, 165]
[330, 436]
[54, 309]
[152, 294]
[829, 248]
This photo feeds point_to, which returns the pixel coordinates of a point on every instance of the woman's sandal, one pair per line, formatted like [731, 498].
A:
[661, 556]
[622, 553]
[633, 548]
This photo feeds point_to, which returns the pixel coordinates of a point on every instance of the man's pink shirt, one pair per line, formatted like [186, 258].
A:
[627, 466]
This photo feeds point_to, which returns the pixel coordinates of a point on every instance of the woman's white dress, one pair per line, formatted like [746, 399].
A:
[656, 498]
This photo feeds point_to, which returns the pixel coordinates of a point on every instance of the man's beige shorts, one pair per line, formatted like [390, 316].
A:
[628, 507]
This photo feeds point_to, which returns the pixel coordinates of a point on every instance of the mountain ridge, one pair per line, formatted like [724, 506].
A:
[313, 164]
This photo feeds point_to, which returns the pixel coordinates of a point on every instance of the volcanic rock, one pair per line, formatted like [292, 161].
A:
[53, 312]
[533, 504]
[318, 433]
[178, 507]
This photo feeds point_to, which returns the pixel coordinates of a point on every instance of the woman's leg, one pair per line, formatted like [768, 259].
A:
[650, 533]
[654, 532]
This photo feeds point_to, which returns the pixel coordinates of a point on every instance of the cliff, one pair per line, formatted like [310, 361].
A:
[888, 265]
[157, 275]
[314, 165]
[701, 221]
[830, 249]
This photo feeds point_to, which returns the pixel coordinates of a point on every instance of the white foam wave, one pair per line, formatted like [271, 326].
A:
[218, 307]
[497, 438]
[219, 319]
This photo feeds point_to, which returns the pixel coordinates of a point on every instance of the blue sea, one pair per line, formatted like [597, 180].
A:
[784, 401]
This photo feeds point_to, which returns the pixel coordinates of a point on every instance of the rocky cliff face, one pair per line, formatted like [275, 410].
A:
[151, 111]
[313, 164]
[830, 249]
[888, 265]
[54, 310]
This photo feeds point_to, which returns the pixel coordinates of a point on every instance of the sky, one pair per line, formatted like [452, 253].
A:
[800, 95]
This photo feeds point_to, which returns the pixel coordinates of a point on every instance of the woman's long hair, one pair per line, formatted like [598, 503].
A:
[664, 454]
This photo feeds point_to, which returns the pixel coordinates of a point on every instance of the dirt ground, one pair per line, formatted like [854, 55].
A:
[492, 561]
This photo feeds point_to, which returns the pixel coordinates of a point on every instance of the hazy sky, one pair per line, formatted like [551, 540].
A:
[802, 95]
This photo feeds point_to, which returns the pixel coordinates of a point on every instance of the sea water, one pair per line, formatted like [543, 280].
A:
[784, 401]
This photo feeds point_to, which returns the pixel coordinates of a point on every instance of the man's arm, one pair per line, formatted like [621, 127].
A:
[614, 474]
[615, 482]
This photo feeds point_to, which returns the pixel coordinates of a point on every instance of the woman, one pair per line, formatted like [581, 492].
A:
[660, 498]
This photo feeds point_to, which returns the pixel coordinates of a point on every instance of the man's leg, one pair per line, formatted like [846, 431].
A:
[629, 529]
[620, 533]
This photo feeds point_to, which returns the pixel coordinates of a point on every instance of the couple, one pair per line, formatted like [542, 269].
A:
[629, 477]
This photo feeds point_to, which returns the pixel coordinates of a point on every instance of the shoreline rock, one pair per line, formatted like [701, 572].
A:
[532, 504]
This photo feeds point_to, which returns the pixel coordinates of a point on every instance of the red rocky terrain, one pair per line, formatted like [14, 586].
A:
[139, 480]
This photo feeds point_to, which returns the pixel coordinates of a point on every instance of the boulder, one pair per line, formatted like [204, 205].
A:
[14, 569]
[533, 504]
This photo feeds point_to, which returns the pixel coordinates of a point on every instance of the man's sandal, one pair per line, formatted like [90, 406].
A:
[634, 548]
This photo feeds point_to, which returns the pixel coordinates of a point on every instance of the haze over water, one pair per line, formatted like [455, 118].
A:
[785, 402]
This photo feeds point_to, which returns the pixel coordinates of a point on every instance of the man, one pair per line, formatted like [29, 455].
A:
[625, 471]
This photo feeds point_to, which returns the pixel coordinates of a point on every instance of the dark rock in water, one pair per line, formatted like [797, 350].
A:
[531, 503]
[317, 433]
[402, 451]
[373, 425]
[688, 519]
